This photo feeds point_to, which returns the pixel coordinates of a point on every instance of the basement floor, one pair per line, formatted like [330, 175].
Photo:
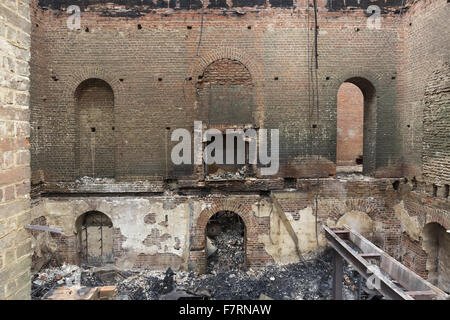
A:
[309, 280]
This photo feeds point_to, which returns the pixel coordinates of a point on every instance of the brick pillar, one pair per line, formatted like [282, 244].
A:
[15, 241]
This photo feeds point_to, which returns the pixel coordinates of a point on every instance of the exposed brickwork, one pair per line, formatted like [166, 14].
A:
[256, 256]
[146, 71]
[159, 68]
[436, 124]
[425, 46]
[225, 93]
[350, 115]
[95, 111]
[15, 243]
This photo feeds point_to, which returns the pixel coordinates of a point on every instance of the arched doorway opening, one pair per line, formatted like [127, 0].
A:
[225, 242]
[356, 126]
[95, 238]
[436, 243]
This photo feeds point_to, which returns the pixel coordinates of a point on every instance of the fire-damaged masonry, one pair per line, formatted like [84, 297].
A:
[89, 194]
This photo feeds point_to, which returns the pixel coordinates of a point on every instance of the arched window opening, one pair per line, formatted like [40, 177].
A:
[436, 243]
[225, 242]
[95, 238]
[95, 128]
[225, 93]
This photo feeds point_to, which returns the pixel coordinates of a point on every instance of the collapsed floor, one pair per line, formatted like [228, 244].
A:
[309, 280]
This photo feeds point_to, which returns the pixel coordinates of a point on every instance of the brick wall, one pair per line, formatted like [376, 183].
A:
[153, 61]
[423, 38]
[95, 118]
[350, 113]
[15, 243]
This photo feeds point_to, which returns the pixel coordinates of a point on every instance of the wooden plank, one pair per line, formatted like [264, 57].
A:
[421, 293]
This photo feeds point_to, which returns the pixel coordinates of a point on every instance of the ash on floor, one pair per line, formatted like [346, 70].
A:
[311, 280]
[226, 247]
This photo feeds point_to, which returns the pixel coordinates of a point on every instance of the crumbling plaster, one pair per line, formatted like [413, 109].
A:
[409, 224]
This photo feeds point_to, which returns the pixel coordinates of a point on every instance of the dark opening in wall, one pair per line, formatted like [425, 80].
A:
[189, 27]
[87, 29]
[356, 126]
[139, 26]
[396, 184]
[436, 243]
[414, 183]
[446, 191]
[435, 188]
[225, 242]
[359, 160]
[290, 183]
[95, 238]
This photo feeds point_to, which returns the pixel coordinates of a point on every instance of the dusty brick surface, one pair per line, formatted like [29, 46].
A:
[15, 248]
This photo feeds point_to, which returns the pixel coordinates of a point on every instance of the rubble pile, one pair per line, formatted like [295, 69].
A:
[226, 231]
[309, 280]
[47, 279]
[222, 174]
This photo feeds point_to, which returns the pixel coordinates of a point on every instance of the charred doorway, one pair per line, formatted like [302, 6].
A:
[436, 243]
[95, 238]
[225, 242]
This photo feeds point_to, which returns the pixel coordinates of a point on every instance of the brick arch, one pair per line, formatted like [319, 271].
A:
[78, 215]
[368, 83]
[255, 253]
[84, 74]
[251, 63]
[69, 100]
[241, 210]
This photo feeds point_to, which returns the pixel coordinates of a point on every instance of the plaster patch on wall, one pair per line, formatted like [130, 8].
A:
[409, 224]
[358, 221]
[304, 228]
[139, 234]
[278, 243]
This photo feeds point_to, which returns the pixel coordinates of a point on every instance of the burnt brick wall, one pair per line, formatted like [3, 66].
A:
[436, 127]
[95, 118]
[15, 242]
[153, 70]
[225, 94]
[425, 44]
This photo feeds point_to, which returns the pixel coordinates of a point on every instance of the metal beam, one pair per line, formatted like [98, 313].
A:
[387, 274]
[385, 286]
